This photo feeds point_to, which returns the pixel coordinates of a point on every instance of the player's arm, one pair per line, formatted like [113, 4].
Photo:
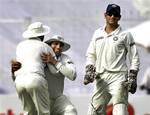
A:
[66, 67]
[132, 54]
[134, 63]
[90, 69]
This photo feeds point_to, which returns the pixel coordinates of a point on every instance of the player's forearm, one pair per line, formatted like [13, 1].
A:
[67, 70]
[134, 59]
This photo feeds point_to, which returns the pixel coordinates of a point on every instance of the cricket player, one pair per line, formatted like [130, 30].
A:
[106, 63]
[30, 82]
[63, 67]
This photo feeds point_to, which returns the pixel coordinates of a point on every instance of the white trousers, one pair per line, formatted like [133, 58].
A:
[109, 86]
[32, 90]
[62, 106]
[120, 109]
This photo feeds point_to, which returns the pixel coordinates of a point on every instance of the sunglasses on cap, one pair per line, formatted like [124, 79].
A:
[113, 13]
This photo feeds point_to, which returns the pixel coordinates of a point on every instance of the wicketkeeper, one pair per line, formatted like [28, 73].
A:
[106, 64]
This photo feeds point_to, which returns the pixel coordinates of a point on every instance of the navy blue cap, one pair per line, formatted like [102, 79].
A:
[113, 8]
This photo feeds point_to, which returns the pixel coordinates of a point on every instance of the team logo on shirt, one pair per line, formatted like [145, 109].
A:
[115, 38]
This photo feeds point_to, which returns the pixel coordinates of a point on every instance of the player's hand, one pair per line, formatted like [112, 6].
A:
[48, 58]
[132, 81]
[15, 65]
[88, 79]
[89, 74]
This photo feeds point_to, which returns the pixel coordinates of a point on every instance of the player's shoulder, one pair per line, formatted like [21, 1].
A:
[22, 43]
[66, 59]
[65, 56]
[98, 33]
[125, 32]
[42, 44]
[98, 30]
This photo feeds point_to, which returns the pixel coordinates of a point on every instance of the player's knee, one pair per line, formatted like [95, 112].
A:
[70, 110]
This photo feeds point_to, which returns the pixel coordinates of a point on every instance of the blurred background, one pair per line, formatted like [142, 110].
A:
[76, 20]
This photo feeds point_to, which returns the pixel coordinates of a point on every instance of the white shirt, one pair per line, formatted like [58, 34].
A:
[108, 51]
[28, 53]
[64, 68]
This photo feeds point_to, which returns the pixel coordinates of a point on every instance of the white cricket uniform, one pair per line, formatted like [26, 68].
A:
[108, 53]
[31, 85]
[146, 78]
[60, 104]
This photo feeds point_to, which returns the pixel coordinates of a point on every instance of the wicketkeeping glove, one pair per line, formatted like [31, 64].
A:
[89, 74]
[132, 81]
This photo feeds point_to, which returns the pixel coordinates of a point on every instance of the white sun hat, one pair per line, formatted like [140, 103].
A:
[36, 29]
[59, 38]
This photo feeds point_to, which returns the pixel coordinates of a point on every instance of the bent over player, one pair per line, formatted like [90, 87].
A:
[30, 82]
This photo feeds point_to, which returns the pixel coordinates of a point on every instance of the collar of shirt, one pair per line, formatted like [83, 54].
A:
[116, 31]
